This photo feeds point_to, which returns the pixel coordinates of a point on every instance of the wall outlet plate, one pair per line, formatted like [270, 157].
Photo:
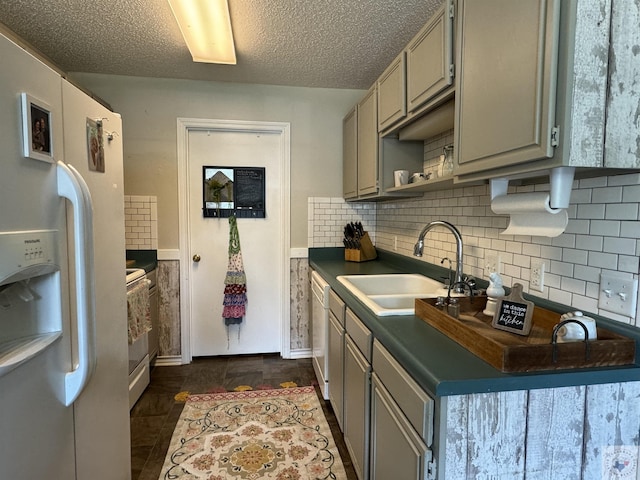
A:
[536, 280]
[618, 294]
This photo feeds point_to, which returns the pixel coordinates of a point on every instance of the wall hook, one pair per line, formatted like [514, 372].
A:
[110, 135]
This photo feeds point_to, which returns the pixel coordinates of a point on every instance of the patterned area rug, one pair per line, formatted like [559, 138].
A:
[257, 434]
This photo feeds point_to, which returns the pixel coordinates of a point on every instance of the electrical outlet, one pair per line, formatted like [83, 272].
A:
[536, 281]
[492, 264]
[618, 294]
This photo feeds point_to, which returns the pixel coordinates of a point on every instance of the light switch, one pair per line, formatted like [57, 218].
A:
[618, 294]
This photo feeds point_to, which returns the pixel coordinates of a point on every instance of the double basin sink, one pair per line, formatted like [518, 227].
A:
[394, 293]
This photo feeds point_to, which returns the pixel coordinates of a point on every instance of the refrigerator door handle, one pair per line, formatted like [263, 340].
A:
[72, 186]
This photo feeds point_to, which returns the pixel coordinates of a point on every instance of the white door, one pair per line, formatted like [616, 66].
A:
[261, 241]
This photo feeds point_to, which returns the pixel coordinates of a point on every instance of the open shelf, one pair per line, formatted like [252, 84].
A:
[441, 183]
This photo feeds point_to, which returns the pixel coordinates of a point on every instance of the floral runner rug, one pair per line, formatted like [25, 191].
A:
[257, 434]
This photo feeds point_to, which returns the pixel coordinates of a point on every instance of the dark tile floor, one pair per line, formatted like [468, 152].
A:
[154, 416]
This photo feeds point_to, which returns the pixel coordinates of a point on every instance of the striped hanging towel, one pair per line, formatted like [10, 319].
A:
[235, 283]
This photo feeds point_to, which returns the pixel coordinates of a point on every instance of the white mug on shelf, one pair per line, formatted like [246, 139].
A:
[401, 177]
[418, 177]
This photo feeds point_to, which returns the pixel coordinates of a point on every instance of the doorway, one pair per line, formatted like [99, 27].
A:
[264, 241]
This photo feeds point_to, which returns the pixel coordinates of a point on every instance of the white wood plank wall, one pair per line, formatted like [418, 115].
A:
[539, 434]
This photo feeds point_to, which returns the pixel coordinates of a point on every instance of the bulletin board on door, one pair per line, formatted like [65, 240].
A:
[238, 191]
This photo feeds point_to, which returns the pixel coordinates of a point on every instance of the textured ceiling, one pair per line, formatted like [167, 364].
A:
[311, 43]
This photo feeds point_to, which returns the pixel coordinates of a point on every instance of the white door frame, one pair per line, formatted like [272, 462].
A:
[281, 128]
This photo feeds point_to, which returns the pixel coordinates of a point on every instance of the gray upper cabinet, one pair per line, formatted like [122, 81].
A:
[430, 67]
[367, 151]
[545, 86]
[392, 94]
[506, 82]
[350, 154]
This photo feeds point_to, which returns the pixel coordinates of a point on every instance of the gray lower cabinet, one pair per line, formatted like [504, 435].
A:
[402, 421]
[397, 451]
[336, 368]
[357, 393]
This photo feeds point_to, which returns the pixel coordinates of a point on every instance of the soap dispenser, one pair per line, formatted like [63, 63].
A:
[494, 291]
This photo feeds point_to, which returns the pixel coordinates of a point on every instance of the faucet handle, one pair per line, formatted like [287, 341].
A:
[471, 281]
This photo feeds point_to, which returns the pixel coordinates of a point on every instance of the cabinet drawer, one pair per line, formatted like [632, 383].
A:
[360, 334]
[337, 306]
[414, 402]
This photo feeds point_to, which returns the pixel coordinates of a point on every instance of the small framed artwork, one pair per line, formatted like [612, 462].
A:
[37, 132]
[238, 191]
[95, 145]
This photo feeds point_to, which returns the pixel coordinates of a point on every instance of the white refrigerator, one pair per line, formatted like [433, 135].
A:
[64, 410]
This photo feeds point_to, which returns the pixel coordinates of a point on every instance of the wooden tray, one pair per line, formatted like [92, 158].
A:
[509, 352]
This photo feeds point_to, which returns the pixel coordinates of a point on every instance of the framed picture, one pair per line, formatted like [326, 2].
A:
[95, 145]
[238, 191]
[37, 135]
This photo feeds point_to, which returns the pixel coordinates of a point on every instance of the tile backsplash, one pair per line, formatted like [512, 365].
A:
[602, 235]
[141, 222]
[328, 216]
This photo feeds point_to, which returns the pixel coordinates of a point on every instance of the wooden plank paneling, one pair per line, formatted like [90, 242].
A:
[168, 282]
[496, 435]
[555, 422]
[622, 145]
[588, 102]
[456, 448]
[299, 313]
[612, 419]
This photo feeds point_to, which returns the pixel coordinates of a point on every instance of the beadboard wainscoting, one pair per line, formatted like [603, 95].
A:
[602, 235]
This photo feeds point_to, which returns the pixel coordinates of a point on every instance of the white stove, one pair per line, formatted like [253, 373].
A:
[139, 369]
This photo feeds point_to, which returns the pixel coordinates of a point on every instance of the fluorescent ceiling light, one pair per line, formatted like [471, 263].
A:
[206, 28]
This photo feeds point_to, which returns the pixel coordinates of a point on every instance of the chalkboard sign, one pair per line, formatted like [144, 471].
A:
[514, 313]
[249, 188]
[238, 191]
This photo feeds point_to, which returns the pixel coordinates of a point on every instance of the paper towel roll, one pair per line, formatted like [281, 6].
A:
[530, 214]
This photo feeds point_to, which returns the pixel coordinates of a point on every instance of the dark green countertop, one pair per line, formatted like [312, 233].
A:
[145, 259]
[437, 363]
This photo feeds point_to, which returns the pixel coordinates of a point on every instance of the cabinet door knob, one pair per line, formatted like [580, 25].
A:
[196, 258]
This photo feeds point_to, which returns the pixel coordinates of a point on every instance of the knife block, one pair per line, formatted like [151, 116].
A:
[365, 253]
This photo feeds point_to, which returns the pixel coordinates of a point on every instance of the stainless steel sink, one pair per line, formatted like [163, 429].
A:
[394, 293]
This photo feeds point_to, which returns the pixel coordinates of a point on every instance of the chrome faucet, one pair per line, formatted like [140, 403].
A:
[419, 246]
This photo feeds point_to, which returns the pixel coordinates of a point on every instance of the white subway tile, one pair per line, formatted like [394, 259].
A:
[605, 228]
[607, 195]
[626, 179]
[584, 272]
[589, 242]
[630, 229]
[631, 193]
[621, 211]
[591, 211]
[579, 257]
[572, 285]
[625, 246]
[603, 260]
